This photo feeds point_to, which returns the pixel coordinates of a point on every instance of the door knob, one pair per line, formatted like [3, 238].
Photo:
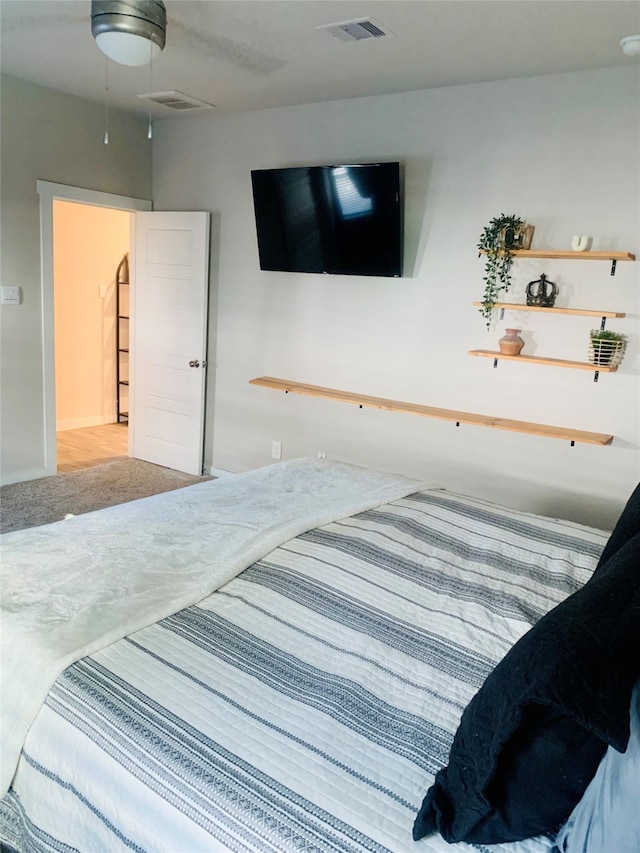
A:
[194, 363]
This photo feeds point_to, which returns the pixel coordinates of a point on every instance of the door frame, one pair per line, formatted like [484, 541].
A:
[48, 193]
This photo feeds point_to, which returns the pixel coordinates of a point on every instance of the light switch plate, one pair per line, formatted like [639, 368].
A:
[10, 295]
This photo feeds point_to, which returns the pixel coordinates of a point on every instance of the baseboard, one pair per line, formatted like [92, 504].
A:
[220, 472]
[23, 476]
[79, 423]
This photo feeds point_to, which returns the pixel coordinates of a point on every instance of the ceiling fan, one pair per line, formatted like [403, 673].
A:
[131, 32]
[186, 27]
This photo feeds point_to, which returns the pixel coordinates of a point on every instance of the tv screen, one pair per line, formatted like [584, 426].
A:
[329, 219]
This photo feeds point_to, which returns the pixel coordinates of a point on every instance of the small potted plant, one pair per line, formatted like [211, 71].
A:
[499, 239]
[606, 348]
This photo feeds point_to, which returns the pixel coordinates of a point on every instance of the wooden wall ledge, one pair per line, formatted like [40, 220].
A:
[569, 254]
[572, 435]
[538, 359]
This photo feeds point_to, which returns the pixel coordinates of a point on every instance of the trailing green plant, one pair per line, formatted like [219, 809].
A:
[499, 252]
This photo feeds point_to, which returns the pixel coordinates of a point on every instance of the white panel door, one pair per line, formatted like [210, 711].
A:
[170, 296]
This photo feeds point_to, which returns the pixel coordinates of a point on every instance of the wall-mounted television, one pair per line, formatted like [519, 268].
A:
[343, 220]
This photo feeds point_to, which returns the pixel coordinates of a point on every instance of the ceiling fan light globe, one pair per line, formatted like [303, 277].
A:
[127, 48]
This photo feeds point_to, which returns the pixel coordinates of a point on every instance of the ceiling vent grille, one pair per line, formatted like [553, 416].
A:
[176, 101]
[358, 30]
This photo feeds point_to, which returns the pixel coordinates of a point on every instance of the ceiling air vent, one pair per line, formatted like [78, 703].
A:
[176, 101]
[358, 30]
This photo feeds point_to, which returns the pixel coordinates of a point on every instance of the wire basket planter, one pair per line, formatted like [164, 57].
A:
[606, 351]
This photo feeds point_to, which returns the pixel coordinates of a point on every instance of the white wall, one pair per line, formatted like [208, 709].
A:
[48, 136]
[89, 243]
[560, 151]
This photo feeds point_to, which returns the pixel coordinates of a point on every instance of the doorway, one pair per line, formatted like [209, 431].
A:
[91, 332]
[169, 284]
[49, 193]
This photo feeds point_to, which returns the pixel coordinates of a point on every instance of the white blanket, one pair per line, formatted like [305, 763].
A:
[70, 588]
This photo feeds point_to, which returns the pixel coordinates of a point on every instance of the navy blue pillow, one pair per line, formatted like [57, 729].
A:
[626, 528]
[531, 739]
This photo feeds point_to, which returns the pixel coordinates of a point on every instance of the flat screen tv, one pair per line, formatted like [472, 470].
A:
[330, 219]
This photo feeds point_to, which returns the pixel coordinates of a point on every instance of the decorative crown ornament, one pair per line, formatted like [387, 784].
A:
[542, 292]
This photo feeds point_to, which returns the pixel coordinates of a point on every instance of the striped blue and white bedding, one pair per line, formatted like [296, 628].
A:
[305, 705]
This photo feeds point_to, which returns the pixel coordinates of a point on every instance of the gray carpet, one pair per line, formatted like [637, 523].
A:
[51, 498]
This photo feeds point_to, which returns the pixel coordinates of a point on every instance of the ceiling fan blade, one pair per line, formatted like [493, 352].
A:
[221, 47]
[41, 22]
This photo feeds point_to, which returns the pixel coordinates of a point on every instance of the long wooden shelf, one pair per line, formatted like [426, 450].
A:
[546, 430]
[584, 312]
[551, 362]
[569, 253]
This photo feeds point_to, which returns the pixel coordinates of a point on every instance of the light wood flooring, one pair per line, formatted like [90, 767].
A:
[89, 446]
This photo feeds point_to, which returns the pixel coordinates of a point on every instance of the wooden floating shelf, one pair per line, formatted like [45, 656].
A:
[569, 253]
[518, 306]
[572, 435]
[551, 362]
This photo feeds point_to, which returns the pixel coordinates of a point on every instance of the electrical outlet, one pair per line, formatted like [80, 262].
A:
[322, 454]
[276, 450]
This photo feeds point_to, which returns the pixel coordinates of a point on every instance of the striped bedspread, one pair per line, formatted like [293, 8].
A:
[308, 703]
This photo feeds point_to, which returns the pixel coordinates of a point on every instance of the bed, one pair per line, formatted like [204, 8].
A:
[290, 672]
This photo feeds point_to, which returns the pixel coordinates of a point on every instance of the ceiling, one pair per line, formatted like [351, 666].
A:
[251, 54]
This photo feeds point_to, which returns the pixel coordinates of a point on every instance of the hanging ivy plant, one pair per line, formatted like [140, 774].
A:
[498, 240]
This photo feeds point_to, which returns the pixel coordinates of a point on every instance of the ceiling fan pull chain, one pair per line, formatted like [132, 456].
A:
[106, 100]
[150, 126]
